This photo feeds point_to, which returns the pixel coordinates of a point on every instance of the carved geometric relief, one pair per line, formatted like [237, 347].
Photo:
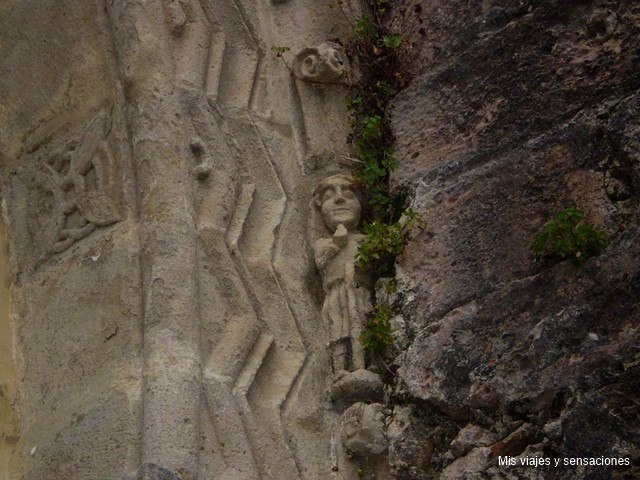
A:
[80, 179]
[248, 374]
[216, 48]
[262, 348]
[235, 54]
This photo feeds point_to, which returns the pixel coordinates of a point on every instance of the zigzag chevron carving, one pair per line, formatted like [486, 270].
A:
[227, 148]
[262, 346]
[250, 370]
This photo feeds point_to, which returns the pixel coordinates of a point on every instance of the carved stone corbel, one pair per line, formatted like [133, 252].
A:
[326, 63]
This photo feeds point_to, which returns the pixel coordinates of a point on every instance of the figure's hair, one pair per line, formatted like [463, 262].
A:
[326, 183]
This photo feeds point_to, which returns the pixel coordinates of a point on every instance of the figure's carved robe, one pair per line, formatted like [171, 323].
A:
[347, 292]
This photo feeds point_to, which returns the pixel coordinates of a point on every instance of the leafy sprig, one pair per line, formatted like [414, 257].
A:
[568, 236]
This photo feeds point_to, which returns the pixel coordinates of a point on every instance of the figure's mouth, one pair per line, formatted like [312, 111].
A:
[341, 210]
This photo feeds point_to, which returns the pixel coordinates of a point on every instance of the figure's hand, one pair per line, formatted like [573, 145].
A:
[340, 236]
[324, 250]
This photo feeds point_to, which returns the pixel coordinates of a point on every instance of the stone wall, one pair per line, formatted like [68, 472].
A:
[67, 190]
[182, 301]
[9, 438]
[158, 164]
[518, 109]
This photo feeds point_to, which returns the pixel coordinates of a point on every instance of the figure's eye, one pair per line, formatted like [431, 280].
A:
[328, 194]
[349, 194]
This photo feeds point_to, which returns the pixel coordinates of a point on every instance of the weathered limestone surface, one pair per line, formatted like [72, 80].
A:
[157, 165]
[9, 438]
[161, 298]
[75, 277]
[518, 109]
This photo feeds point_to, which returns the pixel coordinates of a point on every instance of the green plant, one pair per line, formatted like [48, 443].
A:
[391, 286]
[279, 51]
[387, 222]
[365, 28]
[392, 41]
[384, 241]
[376, 49]
[371, 128]
[377, 334]
[568, 236]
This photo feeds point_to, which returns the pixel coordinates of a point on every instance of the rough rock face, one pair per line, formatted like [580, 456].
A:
[519, 109]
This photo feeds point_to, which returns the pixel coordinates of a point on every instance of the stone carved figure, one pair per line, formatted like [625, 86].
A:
[326, 63]
[347, 288]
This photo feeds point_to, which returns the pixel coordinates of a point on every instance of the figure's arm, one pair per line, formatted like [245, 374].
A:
[324, 250]
[340, 237]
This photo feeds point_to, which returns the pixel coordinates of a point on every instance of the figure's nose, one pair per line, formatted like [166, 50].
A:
[339, 197]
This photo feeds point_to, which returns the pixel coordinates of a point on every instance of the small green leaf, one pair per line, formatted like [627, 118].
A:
[567, 236]
[377, 334]
[392, 41]
[279, 50]
[365, 28]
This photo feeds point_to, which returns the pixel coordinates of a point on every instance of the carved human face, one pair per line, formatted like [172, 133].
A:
[339, 204]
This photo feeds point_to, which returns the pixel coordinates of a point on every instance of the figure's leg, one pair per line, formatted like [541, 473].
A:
[339, 356]
[357, 321]
[357, 353]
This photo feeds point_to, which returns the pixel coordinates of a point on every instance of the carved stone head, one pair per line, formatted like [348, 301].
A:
[325, 63]
[337, 197]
